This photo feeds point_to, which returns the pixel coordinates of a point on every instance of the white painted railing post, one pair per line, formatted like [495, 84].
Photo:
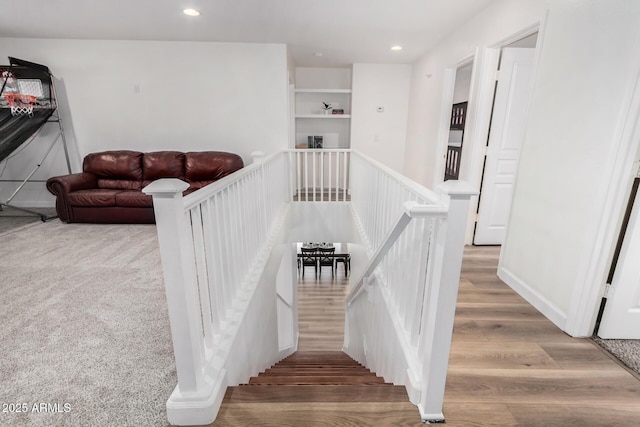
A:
[218, 259]
[258, 156]
[178, 279]
[437, 324]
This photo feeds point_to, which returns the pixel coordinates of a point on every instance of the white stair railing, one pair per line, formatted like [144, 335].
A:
[319, 175]
[412, 210]
[415, 241]
[219, 263]
[215, 244]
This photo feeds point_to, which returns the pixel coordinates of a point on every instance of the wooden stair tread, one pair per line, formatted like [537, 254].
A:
[317, 368]
[320, 361]
[316, 393]
[316, 371]
[316, 379]
[316, 376]
[335, 355]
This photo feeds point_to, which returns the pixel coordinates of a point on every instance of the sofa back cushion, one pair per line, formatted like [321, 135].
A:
[132, 170]
[202, 168]
[162, 164]
[116, 169]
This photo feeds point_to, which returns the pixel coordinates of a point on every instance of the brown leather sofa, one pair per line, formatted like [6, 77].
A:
[109, 190]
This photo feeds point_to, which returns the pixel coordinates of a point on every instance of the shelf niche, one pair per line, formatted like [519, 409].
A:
[313, 87]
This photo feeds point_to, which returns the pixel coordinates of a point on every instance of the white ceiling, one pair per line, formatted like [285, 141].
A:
[344, 31]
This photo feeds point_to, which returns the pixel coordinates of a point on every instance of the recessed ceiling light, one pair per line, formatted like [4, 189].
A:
[317, 54]
[396, 47]
[191, 12]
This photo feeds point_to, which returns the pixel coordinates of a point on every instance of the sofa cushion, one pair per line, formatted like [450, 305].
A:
[119, 184]
[196, 185]
[94, 197]
[115, 169]
[210, 165]
[134, 199]
[163, 164]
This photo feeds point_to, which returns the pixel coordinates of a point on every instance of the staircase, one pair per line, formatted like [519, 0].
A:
[317, 388]
[329, 368]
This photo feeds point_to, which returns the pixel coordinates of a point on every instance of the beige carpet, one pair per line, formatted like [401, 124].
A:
[626, 351]
[84, 326]
[12, 219]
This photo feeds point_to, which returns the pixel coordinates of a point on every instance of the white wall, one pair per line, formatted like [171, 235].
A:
[332, 222]
[165, 95]
[584, 79]
[462, 86]
[323, 78]
[380, 135]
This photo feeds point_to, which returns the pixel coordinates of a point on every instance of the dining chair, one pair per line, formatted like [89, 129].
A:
[326, 261]
[346, 260]
[309, 259]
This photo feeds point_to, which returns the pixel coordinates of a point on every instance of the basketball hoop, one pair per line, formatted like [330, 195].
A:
[8, 81]
[21, 105]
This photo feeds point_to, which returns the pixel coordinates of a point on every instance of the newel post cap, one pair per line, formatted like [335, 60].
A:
[165, 187]
[258, 156]
[458, 189]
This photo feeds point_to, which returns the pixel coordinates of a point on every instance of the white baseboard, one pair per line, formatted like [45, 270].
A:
[533, 297]
[413, 386]
[286, 352]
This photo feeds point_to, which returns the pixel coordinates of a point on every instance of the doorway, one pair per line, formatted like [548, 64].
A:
[461, 90]
[506, 133]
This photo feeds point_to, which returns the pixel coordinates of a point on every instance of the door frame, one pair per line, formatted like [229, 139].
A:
[449, 84]
[483, 86]
[505, 102]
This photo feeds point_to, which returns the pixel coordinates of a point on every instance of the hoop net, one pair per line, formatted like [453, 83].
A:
[21, 105]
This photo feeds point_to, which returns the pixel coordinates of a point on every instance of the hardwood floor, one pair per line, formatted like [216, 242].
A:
[509, 366]
[321, 310]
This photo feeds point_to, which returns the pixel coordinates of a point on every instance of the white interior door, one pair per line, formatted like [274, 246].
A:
[505, 138]
[621, 316]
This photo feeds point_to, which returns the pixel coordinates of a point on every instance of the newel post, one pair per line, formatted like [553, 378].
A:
[437, 326]
[258, 156]
[177, 267]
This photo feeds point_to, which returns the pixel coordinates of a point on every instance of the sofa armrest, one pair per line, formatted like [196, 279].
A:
[65, 184]
[60, 186]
